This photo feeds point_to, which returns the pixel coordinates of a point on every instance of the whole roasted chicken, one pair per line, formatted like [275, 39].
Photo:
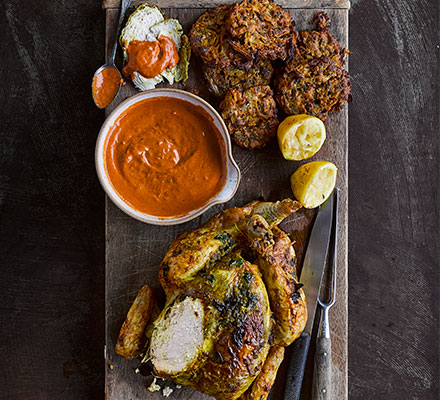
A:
[232, 304]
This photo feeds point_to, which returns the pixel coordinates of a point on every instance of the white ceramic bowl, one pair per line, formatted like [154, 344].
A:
[232, 174]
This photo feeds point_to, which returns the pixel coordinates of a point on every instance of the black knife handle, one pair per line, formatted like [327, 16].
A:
[296, 367]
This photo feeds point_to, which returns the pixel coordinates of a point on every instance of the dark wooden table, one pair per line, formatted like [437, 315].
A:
[52, 208]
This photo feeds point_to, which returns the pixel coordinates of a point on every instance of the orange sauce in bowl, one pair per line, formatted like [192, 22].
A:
[165, 157]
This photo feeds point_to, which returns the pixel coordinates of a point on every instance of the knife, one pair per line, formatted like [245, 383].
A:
[311, 276]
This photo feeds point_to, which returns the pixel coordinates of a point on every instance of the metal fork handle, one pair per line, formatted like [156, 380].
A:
[322, 373]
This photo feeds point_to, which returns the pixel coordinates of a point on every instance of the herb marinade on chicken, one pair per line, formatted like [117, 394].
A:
[227, 316]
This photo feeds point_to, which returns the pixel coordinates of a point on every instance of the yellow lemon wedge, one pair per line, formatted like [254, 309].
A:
[312, 183]
[300, 136]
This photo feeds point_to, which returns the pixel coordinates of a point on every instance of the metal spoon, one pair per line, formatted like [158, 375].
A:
[125, 4]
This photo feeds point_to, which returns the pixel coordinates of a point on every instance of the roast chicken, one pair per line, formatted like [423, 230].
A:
[232, 304]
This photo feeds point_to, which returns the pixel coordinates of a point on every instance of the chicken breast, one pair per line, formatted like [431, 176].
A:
[178, 338]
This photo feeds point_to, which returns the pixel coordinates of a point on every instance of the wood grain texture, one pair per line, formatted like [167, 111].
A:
[394, 208]
[314, 4]
[134, 250]
[51, 204]
[322, 371]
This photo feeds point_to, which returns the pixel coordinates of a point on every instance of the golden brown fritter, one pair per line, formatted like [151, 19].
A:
[209, 40]
[316, 87]
[220, 80]
[320, 42]
[261, 28]
[250, 115]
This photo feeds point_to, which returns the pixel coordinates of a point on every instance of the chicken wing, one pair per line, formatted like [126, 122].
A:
[195, 250]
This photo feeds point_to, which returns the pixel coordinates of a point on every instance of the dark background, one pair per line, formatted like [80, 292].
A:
[52, 207]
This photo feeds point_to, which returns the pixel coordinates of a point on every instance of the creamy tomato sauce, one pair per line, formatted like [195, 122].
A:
[150, 58]
[165, 157]
[105, 85]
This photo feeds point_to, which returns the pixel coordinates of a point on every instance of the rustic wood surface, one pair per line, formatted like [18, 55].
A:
[106, 4]
[52, 207]
[134, 249]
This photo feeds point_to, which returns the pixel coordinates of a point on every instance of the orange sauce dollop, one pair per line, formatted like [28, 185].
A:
[150, 58]
[105, 85]
[165, 157]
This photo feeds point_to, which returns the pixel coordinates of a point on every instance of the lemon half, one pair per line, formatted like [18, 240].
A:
[300, 136]
[312, 183]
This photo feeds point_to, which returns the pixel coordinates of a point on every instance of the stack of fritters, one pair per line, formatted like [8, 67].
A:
[237, 44]
[314, 81]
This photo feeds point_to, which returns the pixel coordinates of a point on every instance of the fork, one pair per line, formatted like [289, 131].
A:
[322, 373]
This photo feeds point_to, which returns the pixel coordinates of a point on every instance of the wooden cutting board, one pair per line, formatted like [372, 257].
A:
[134, 250]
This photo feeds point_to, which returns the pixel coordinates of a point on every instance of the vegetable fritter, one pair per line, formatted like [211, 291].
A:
[220, 80]
[250, 115]
[316, 87]
[261, 28]
[209, 40]
[320, 42]
[314, 82]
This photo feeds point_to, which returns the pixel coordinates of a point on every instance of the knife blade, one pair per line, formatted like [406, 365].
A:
[311, 277]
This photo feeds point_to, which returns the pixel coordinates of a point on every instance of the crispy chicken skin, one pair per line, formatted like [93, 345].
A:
[250, 115]
[261, 29]
[262, 385]
[287, 299]
[192, 251]
[195, 250]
